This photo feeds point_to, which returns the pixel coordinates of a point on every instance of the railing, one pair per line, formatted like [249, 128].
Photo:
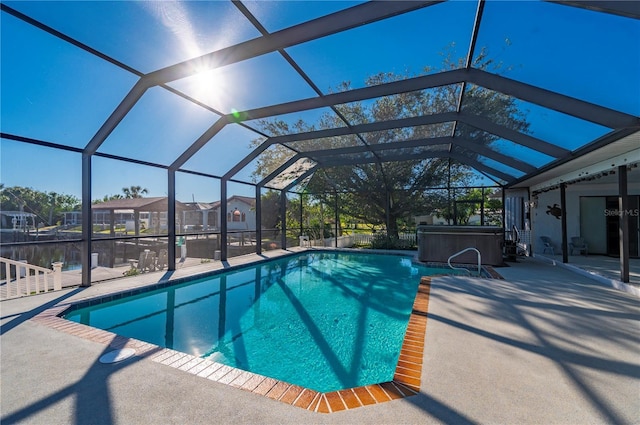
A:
[368, 238]
[346, 241]
[462, 268]
[343, 242]
[21, 279]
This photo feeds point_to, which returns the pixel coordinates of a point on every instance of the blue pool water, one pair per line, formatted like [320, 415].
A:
[321, 320]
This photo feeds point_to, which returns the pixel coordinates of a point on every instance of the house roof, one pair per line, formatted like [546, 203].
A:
[599, 162]
[251, 202]
[143, 204]
[199, 206]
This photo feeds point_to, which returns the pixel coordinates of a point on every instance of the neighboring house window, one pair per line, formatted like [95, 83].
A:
[244, 217]
[228, 216]
[236, 215]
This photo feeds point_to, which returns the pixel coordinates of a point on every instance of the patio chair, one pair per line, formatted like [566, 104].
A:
[151, 261]
[579, 244]
[147, 261]
[163, 259]
[548, 245]
[139, 263]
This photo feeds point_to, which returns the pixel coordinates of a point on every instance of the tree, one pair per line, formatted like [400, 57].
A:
[129, 193]
[106, 198]
[270, 205]
[390, 193]
[134, 192]
[49, 207]
[315, 217]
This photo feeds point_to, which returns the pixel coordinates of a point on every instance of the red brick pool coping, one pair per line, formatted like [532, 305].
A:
[405, 383]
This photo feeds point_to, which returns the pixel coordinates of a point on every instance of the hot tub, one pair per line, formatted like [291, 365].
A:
[438, 243]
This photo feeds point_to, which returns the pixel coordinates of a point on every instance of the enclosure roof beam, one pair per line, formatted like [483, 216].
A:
[416, 143]
[496, 156]
[473, 120]
[199, 143]
[366, 128]
[317, 155]
[558, 102]
[565, 104]
[338, 162]
[599, 143]
[247, 159]
[546, 98]
[330, 24]
[425, 155]
[116, 116]
[280, 169]
[482, 167]
[300, 178]
[468, 61]
[340, 131]
[629, 9]
[256, 23]
[371, 92]
[317, 28]
[522, 139]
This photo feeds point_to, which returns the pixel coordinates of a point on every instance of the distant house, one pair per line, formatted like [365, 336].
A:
[199, 216]
[72, 218]
[135, 214]
[151, 213]
[17, 220]
[241, 214]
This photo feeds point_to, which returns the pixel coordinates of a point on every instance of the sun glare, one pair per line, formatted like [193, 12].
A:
[208, 85]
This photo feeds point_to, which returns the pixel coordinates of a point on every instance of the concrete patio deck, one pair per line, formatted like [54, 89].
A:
[543, 346]
[602, 268]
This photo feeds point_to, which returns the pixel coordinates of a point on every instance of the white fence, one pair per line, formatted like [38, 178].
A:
[343, 242]
[348, 241]
[21, 279]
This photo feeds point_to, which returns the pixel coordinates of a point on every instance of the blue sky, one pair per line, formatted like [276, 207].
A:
[54, 92]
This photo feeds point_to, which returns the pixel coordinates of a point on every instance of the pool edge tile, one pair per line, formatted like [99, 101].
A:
[323, 405]
[230, 376]
[306, 398]
[364, 396]
[378, 393]
[220, 372]
[199, 367]
[265, 386]
[241, 379]
[335, 401]
[253, 382]
[191, 364]
[391, 390]
[349, 398]
[278, 390]
[291, 394]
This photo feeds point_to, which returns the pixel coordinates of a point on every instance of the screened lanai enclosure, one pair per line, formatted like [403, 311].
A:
[141, 135]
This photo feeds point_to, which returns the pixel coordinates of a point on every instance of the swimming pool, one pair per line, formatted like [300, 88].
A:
[321, 320]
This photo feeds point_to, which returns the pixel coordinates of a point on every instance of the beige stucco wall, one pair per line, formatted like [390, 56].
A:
[544, 224]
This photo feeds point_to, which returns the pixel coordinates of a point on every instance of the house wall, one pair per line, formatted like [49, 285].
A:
[250, 216]
[544, 224]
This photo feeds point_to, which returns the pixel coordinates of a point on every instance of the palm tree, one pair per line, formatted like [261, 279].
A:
[134, 192]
